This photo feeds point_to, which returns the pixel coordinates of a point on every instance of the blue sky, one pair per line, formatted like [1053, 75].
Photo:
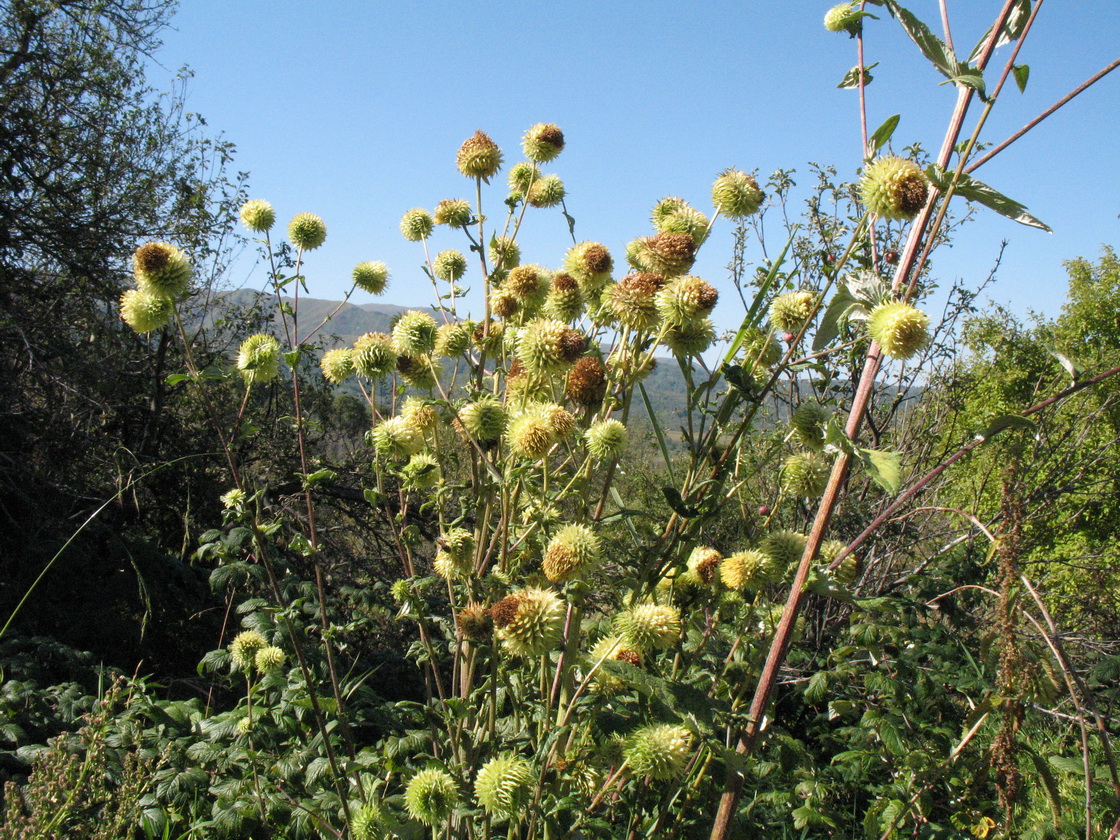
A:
[354, 111]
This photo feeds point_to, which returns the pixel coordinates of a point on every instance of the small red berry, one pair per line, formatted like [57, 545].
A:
[891, 257]
[789, 337]
[763, 510]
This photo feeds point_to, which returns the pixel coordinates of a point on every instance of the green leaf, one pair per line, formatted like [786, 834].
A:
[1049, 783]
[882, 134]
[885, 468]
[1010, 31]
[687, 702]
[1067, 764]
[836, 439]
[657, 431]
[833, 316]
[817, 688]
[932, 47]
[293, 357]
[851, 78]
[676, 502]
[1006, 421]
[176, 378]
[1021, 72]
[966, 76]
[1072, 368]
[981, 193]
[317, 476]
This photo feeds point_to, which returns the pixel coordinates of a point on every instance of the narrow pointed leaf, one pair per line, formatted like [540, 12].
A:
[1011, 30]
[932, 47]
[882, 134]
[1006, 421]
[981, 193]
[1072, 368]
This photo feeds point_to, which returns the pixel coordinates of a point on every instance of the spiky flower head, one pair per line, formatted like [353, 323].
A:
[449, 265]
[606, 439]
[843, 17]
[564, 301]
[666, 208]
[365, 819]
[421, 472]
[745, 570]
[660, 750]
[521, 176]
[685, 299]
[668, 254]
[270, 659]
[307, 231]
[591, 264]
[396, 437]
[458, 542]
[760, 348]
[703, 564]
[611, 648]
[448, 567]
[900, 328]
[419, 371]
[549, 345]
[371, 276]
[894, 188]
[233, 499]
[431, 796]
[805, 474]
[484, 419]
[504, 785]
[258, 358]
[784, 548]
[417, 224]
[543, 142]
[850, 567]
[421, 413]
[690, 339]
[258, 215]
[475, 622]
[453, 339]
[530, 621]
[337, 365]
[736, 194]
[453, 212]
[243, 649]
[529, 283]
[559, 419]
[504, 252]
[546, 192]
[647, 627]
[808, 421]
[633, 299]
[414, 334]
[789, 311]
[587, 382]
[572, 552]
[686, 220]
[479, 157]
[373, 355]
[530, 432]
[144, 311]
[504, 303]
[161, 269]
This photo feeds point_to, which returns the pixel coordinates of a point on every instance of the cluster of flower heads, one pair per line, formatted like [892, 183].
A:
[249, 650]
[163, 275]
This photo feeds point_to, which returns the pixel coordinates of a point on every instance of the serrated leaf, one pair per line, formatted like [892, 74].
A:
[292, 357]
[687, 702]
[836, 439]
[882, 134]
[1010, 31]
[851, 78]
[966, 76]
[981, 193]
[884, 467]
[1021, 72]
[932, 47]
[1006, 421]
[817, 688]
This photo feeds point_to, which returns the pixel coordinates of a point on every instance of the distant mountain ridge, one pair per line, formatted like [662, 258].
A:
[346, 325]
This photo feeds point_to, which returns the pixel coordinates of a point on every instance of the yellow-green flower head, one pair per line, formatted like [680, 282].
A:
[421, 472]
[337, 365]
[808, 421]
[484, 419]
[549, 345]
[894, 188]
[401, 590]
[667, 208]
[546, 192]
[396, 438]
[843, 17]
[233, 499]
[668, 254]
[572, 552]
[564, 300]
[419, 371]
[530, 621]
[606, 439]
[790, 311]
[760, 348]
[307, 231]
[543, 142]
[453, 339]
[632, 301]
[458, 542]
[591, 264]
[371, 276]
[258, 359]
[448, 567]
[421, 413]
[848, 571]
[703, 563]
[685, 299]
[504, 786]
[161, 269]
[784, 548]
[686, 220]
[417, 224]
[244, 726]
[586, 384]
[530, 432]
[414, 334]
[270, 659]
[454, 212]
[745, 570]
[736, 194]
[660, 751]
[611, 649]
[504, 252]
[431, 796]
[690, 339]
[475, 622]
[504, 303]
[900, 329]
[365, 819]
[243, 649]
[647, 627]
[529, 283]
[258, 215]
[146, 312]
[559, 419]
[373, 355]
[521, 176]
[479, 157]
[449, 265]
[805, 474]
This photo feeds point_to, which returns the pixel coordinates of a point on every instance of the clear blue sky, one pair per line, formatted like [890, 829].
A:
[354, 111]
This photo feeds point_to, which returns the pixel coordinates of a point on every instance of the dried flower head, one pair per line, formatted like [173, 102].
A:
[479, 157]
[685, 299]
[549, 345]
[591, 264]
[633, 300]
[703, 564]
[686, 220]
[572, 552]
[668, 254]
[530, 621]
[611, 648]
[161, 269]
[475, 623]
[587, 382]
[564, 300]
